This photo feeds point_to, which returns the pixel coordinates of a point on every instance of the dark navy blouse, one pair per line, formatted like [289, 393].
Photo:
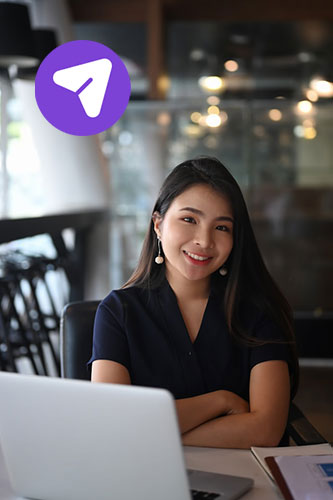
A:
[145, 331]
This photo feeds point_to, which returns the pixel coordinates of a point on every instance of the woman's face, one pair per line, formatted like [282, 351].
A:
[196, 233]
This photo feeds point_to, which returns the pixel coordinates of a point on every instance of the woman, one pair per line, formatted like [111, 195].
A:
[201, 316]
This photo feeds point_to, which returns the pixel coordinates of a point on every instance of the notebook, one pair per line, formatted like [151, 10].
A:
[261, 453]
[303, 477]
[68, 440]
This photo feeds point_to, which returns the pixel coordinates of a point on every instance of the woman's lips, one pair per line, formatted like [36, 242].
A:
[196, 259]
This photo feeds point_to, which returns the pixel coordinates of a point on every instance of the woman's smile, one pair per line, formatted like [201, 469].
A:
[196, 259]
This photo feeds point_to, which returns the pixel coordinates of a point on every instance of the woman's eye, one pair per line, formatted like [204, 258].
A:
[222, 228]
[189, 219]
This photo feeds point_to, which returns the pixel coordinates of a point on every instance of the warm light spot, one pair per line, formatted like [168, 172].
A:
[310, 132]
[259, 131]
[195, 117]
[306, 132]
[163, 83]
[163, 119]
[193, 130]
[275, 115]
[304, 106]
[223, 116]
[231, 65]
[213, 110]
[213, 121]
[309, 122]
[311, 95]
[213, 100]
[211, 83]
[202, 121]
[322, 87]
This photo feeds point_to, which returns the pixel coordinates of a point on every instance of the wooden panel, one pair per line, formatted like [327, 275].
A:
[243, 10]
[155, 48]
[197, 10]
[123, 11]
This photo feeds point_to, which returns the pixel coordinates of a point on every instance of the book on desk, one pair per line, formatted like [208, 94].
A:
[301, 472]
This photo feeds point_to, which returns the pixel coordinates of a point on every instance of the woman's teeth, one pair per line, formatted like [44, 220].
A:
[196, 257]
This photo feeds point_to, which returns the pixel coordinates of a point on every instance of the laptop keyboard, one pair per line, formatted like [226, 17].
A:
[201, 495]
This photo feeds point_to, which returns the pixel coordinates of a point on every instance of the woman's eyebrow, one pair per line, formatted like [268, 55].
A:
[199, 212]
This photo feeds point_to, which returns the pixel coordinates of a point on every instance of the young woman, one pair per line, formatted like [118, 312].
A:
[202, 317]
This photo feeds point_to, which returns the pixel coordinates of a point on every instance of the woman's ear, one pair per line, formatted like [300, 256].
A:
[157, 219]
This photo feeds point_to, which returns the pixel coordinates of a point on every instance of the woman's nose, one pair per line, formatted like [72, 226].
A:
[204, 238]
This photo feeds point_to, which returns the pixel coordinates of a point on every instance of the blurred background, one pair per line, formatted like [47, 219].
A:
[249, 83]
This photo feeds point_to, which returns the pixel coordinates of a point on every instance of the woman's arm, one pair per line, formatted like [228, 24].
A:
[197, 410]
[104, 370]
[200, 417]
[265, 422]
[191, 411]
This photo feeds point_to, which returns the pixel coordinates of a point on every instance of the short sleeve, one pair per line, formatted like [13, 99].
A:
[109, 339]
[275, 346]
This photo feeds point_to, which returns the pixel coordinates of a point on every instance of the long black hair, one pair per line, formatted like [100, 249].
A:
[248, 278]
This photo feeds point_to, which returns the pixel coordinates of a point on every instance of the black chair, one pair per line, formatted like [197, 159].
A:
[29, 318]
[76, 328]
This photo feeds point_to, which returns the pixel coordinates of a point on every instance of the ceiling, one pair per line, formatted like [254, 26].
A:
[276, 57]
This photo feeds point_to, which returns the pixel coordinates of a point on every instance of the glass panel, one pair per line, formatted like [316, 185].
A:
[25, 187]
[286, 181]
[128, 40]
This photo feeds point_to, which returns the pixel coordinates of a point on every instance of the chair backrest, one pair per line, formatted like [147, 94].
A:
[76, 333]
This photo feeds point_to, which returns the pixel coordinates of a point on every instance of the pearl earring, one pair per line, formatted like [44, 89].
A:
[223, 271]
[159, 259]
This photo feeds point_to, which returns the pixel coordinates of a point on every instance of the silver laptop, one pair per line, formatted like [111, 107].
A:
[74, 440]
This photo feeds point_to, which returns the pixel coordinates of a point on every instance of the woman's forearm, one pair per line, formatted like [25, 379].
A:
[236, 431]
[261, 424]
[194, 411]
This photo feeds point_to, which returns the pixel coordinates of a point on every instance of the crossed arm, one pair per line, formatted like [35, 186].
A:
[222, 419]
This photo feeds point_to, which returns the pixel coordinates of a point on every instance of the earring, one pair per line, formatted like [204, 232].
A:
[223, 271]
[159, 259]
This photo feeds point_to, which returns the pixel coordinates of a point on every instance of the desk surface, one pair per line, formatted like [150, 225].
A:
[234, 462]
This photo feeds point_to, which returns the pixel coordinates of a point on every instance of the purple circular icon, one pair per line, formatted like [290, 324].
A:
[82, 87]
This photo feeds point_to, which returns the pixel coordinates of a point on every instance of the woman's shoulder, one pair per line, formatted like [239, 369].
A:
[124, 296]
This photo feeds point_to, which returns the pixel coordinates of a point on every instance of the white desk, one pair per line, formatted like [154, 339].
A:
[234, 462]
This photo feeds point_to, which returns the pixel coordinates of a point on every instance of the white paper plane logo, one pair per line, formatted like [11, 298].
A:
[88, 81]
